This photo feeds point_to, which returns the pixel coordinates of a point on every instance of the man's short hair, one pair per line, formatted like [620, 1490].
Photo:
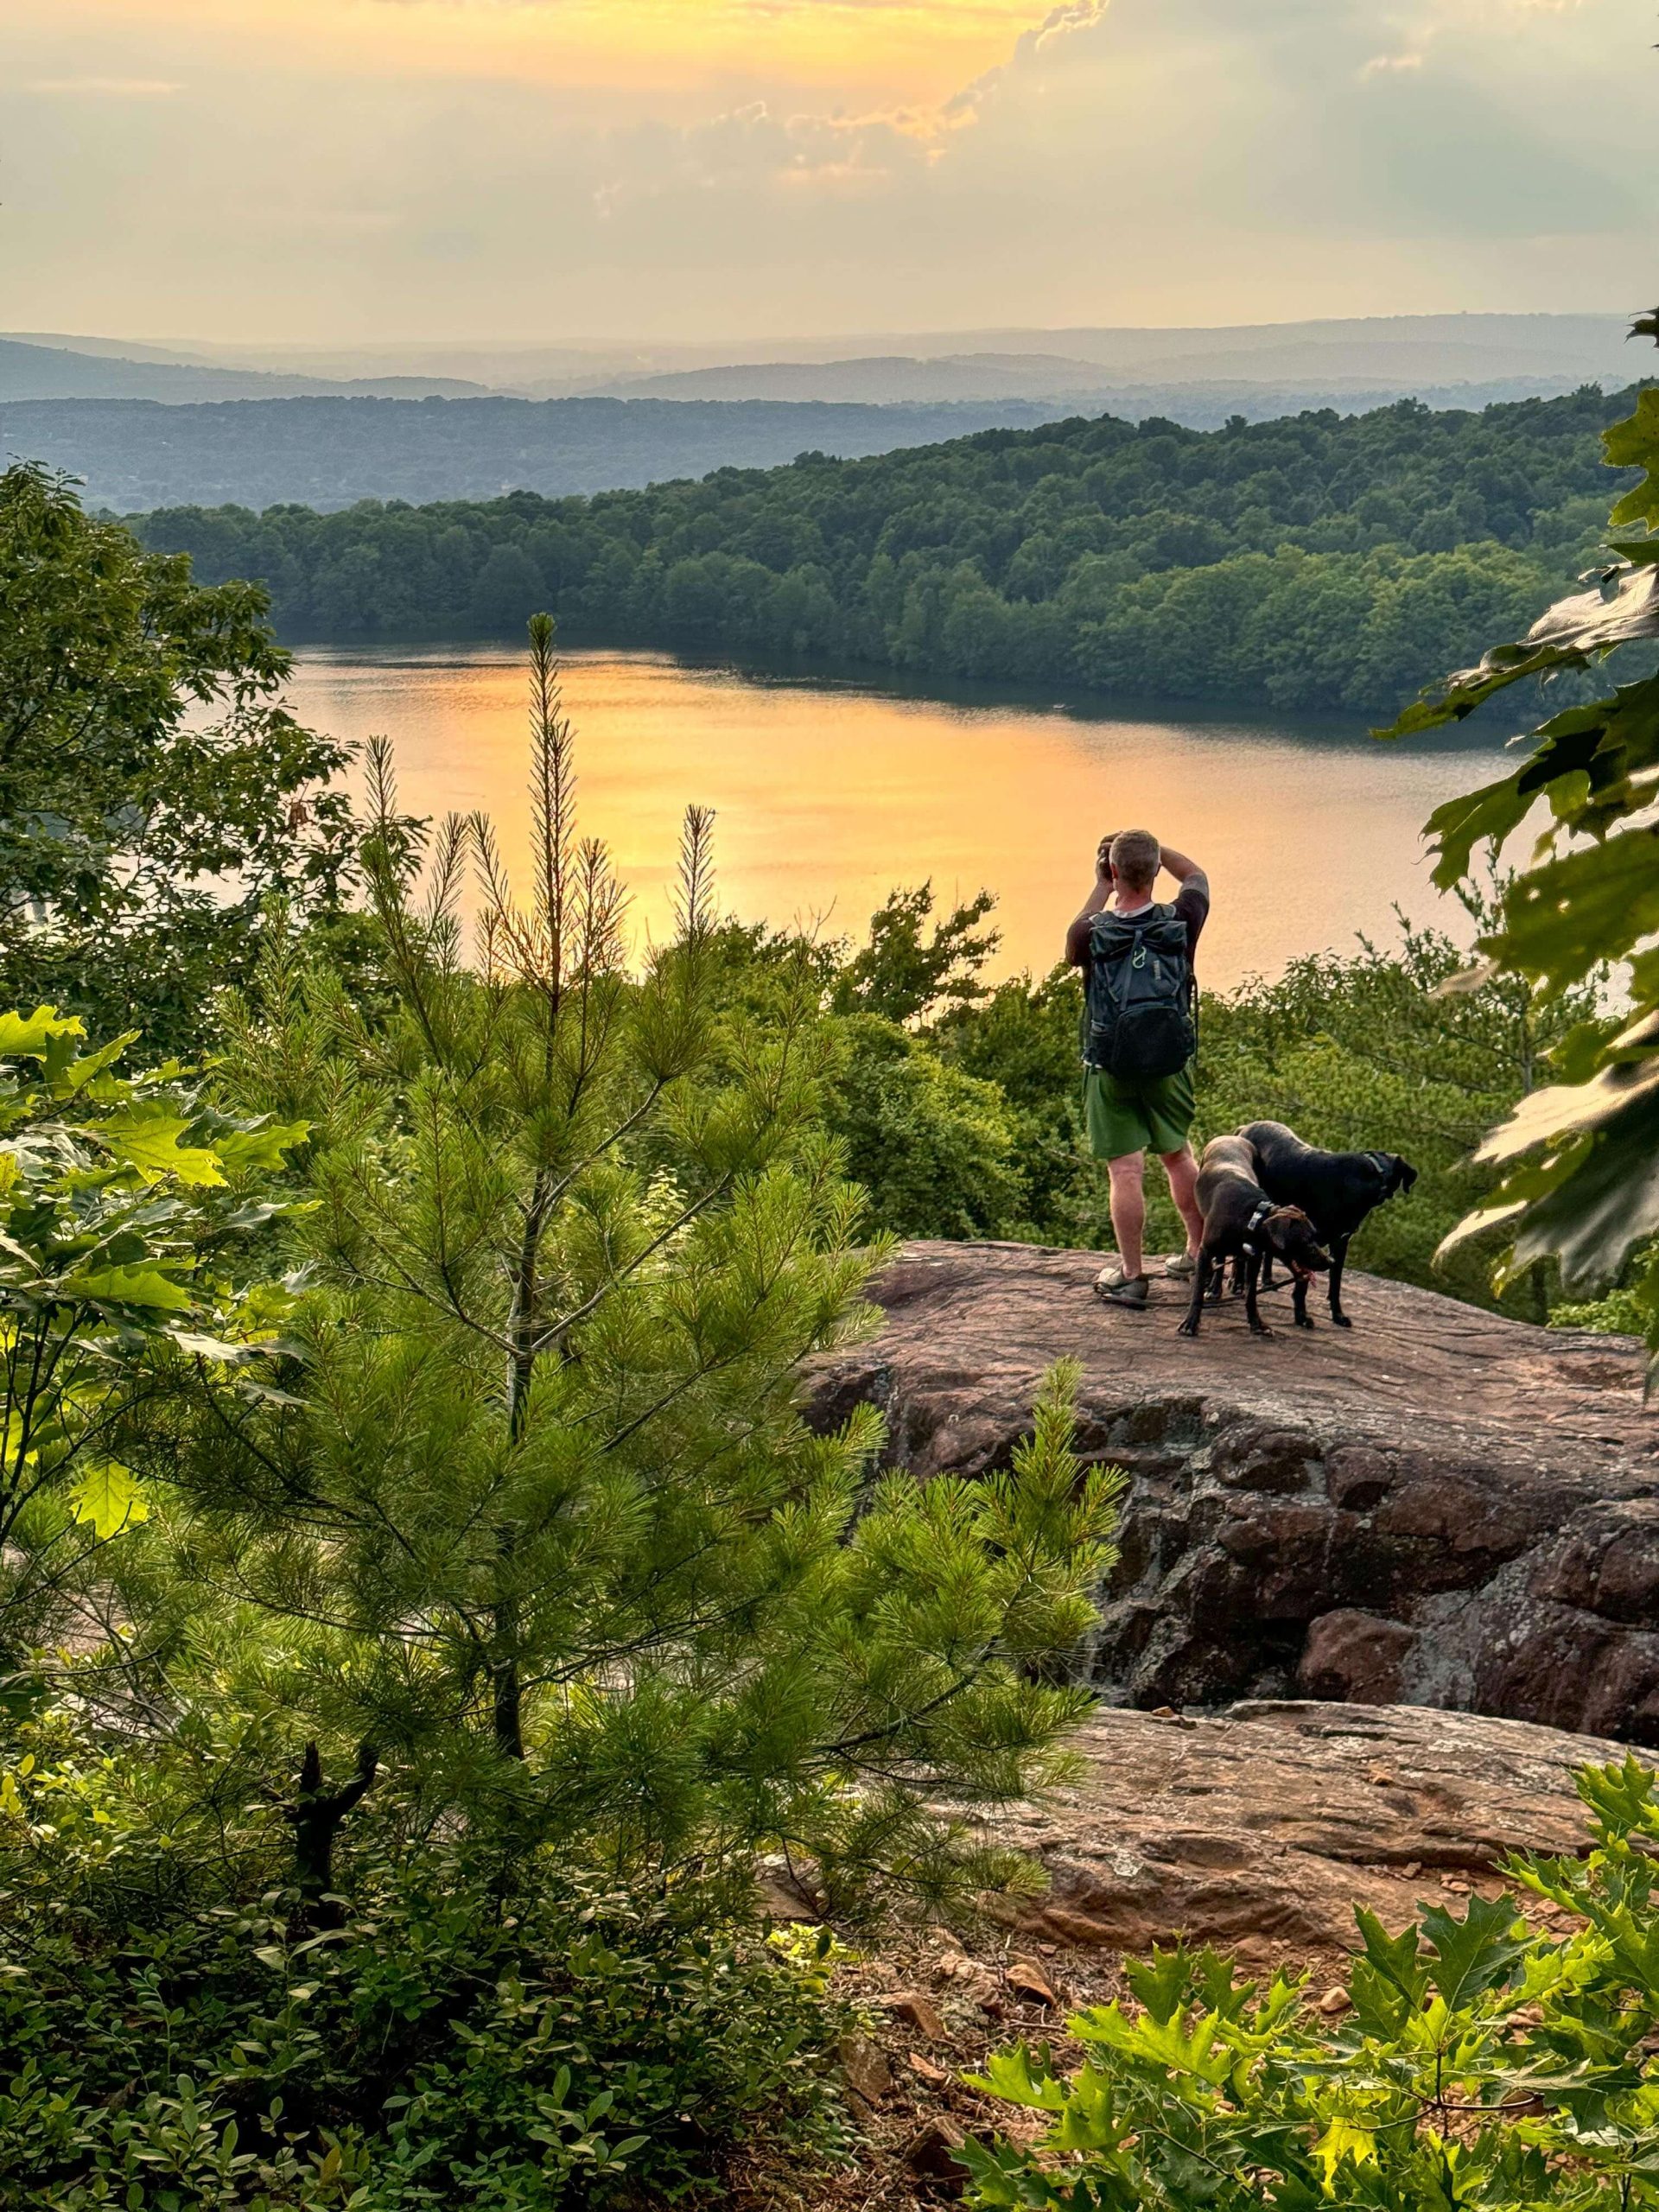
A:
[1136, 857]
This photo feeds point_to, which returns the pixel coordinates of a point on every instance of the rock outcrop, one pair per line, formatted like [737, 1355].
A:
[1260, 1830]
[1440, 1507]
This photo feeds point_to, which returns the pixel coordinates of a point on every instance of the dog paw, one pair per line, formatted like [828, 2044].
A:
[1187, 1329]
[1306, 1321]
[1261, 1328]
[1341, 1321]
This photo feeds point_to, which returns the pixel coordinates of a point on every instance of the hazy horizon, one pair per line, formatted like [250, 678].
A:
[736, 344]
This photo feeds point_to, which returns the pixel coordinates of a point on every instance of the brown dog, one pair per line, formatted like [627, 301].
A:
[1242, 1222]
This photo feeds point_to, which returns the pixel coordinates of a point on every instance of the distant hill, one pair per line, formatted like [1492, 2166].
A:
[880, 379]
[329, 452]
[1201, 401]
[1450, 360]
[29, 371]
[1385, 356]
[1376, 357]
[1445, 348]
[1080, 388]
[132, 349]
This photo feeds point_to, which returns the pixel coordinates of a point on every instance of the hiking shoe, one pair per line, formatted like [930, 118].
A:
[1114, 1287]
[1183, 1265]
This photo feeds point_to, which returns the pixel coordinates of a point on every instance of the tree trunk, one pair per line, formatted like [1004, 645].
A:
[508, 1708]
[507, 1694]
[317, 1815]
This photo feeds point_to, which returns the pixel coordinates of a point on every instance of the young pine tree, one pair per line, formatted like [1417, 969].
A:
[543, 1525]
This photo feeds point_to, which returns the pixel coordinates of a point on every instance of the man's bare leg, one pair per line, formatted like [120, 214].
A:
[1129, 1210]
[1183, 1172]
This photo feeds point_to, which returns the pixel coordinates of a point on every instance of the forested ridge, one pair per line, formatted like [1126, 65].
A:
[1316, 561]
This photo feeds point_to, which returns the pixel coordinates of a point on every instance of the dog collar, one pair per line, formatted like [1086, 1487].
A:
[1254, 1224]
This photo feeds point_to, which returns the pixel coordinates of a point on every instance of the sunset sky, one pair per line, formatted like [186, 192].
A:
[570, 171]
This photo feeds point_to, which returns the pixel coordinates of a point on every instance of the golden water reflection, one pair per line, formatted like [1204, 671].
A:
[828, 796]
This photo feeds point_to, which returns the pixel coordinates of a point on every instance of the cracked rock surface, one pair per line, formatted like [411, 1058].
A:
[1259, 1830]
[1439, 1508]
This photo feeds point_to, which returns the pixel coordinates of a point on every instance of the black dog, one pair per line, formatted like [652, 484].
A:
[1335, 1190]
[1242, 1222]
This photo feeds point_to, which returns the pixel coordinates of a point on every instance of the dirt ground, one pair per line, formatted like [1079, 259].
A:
[935, 2005]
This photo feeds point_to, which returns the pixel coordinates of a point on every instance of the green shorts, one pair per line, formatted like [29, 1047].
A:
[1155, 1115]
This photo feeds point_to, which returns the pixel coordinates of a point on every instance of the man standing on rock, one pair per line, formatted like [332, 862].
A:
[1139, 1042]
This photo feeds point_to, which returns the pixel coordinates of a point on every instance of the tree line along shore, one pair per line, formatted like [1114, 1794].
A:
[1317, 562]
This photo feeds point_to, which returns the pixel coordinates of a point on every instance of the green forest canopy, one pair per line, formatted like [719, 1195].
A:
[1318, 561]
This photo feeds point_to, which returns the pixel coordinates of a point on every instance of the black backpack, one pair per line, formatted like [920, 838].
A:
[1138, 1017]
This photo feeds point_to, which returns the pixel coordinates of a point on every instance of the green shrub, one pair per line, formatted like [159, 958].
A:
[1623, 1312]
[937, 1151]
[536, 1508]
[174, 2043]
[1480, 2063]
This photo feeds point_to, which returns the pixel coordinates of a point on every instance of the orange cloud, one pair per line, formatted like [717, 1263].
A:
[895, 49]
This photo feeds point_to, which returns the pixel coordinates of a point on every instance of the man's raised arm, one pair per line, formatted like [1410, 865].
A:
[1181, 868]
[1077, 937]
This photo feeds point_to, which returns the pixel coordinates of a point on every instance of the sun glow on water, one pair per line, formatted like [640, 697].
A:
[827, 797]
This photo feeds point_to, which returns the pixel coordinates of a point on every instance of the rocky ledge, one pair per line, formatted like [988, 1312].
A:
[1438, 1508]
[1260, 1830]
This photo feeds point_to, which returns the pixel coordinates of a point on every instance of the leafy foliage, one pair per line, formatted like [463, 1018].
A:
[1315, 562]
[1480, 2063]
[1580, 1159]
[122, 1200]
[902, 974]
[935, 1151]
[517, 2038]
[139, 838]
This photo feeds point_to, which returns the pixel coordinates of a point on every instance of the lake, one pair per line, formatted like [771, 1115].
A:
[829, 794]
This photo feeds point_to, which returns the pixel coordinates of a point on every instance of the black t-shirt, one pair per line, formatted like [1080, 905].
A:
[1190, 904]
